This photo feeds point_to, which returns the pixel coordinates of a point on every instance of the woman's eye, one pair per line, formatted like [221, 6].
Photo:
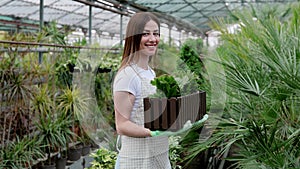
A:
[148, 34]
[145, 34]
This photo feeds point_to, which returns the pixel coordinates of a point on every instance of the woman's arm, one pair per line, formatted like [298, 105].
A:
[123, 103]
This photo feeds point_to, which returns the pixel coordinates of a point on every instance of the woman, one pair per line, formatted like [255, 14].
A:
[132, 83]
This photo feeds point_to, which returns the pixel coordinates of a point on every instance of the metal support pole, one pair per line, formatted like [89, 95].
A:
[170, 38]
[41, 25]
[121, 30]
[90, 24]
[180, 31]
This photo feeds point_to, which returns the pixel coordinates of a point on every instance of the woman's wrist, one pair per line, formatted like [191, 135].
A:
[148, 132]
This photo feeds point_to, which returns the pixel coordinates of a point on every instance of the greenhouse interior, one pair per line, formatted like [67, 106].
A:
[227, 74]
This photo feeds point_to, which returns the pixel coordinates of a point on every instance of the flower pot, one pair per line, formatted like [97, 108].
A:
[172, 114]
[85, 149]
[48, 166]
[74, 153]
[61, 163]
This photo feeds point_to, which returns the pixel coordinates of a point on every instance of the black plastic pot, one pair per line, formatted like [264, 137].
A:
[61, 163]
[85, 149]
[74, 153]
[49, 166]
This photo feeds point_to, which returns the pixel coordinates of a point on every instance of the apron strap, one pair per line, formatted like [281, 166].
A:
[118, 143]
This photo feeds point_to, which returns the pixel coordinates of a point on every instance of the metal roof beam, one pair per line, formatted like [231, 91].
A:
[93, 4]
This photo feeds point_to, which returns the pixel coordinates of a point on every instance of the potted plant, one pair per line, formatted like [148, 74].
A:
[103, 158]
[16, 89]
[74, 104]
[51, 139]
[53, 127]
[66, 133]
[168, 110]
[21, 153]
[86, 142]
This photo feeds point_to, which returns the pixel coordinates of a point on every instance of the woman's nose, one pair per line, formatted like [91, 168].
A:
[152, 37]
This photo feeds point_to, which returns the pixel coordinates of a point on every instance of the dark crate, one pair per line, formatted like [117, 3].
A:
[172, 114]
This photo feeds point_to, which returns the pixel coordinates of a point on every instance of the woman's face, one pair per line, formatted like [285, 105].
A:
[150, 38]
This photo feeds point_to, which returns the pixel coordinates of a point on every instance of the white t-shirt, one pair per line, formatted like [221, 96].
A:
[129, 80]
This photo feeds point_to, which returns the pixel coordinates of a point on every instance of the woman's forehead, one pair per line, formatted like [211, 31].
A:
[151, 26]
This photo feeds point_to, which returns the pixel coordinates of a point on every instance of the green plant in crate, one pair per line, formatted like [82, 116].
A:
[167, 86]
[103, 159]
[260, 128]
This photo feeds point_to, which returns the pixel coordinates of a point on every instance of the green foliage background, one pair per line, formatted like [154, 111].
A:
[260, 126]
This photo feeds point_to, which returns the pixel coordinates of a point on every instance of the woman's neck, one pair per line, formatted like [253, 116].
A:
[142, 62]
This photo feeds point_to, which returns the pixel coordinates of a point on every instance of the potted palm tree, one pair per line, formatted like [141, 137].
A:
[21, 153]
[72, 103]
[50, 136]
[67, 135]
[51, 127]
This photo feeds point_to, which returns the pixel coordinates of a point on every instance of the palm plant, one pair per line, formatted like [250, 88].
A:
[22, 153]
[49, 134]
[260, 127]
[74, 104]
[52, 126]
[16, 89]
[65, 134]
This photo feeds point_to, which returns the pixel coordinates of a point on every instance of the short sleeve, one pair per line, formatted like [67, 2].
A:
[127, 80]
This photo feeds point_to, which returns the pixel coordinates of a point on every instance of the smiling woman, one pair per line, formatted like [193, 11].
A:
[132, 84]
[150, 39]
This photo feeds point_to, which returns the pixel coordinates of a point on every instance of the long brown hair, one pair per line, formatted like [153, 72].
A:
[134, 30]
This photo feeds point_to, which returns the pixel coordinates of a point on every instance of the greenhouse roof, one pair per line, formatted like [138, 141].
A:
[189, 15]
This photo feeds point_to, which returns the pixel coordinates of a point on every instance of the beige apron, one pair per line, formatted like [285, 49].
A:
[143, 153]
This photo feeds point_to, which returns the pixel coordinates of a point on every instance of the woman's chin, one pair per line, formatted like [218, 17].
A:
[149, 52]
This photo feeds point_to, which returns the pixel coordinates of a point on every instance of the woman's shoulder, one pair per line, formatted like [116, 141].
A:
[127, 72]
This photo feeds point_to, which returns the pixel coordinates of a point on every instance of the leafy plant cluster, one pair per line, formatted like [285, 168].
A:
[21, 152]
[167, 86]
[190, 55]
[103, 159]
[42, 98]
[175, 149]
[183, 76]
[260, 127]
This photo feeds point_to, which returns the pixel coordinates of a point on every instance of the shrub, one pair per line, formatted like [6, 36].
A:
[103, 159]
